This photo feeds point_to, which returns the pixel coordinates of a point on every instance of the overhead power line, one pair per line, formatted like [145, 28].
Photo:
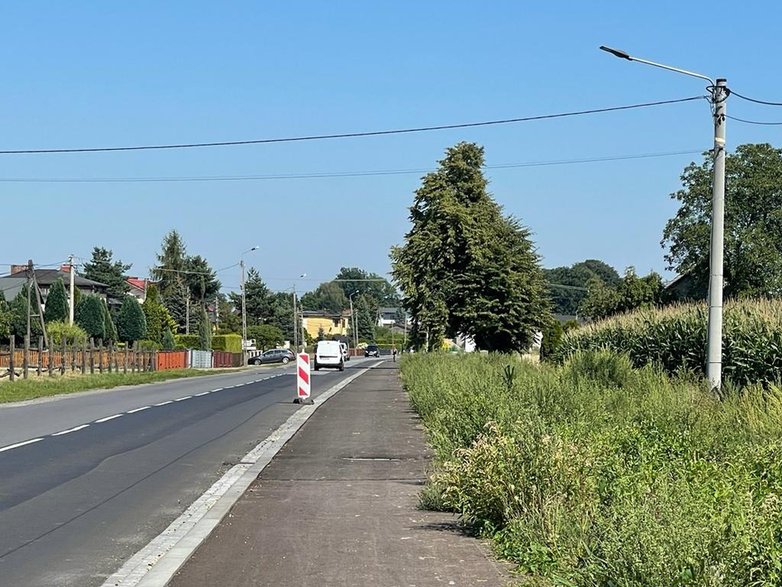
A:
[346, 135]
[316, 175]
[758, 122]
[755, 100]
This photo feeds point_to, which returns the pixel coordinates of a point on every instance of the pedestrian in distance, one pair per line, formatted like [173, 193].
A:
[393, 353]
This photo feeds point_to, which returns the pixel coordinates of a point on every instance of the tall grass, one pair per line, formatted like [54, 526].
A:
[595, 473]
[675, 339]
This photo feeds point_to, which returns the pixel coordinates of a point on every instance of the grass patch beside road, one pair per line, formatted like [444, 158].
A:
[44, 386]
[595, 473]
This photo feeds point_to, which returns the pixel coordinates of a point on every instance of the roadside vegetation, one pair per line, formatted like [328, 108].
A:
[26, 389]
[674, 338]
[596, 473]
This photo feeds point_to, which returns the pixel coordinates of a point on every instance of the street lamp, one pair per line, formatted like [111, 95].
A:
[353, 320]
[295, 322]
[244, 306]
[718, 96]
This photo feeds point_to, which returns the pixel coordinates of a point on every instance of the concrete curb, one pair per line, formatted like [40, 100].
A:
[156, 563]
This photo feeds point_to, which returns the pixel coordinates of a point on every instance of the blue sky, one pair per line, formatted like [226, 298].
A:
[84, 74]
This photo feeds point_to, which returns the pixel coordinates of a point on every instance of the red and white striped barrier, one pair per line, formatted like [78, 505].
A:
[303, 377]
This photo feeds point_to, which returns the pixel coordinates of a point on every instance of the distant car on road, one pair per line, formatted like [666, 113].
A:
[372, 350]
[283, 356]
[328, 353]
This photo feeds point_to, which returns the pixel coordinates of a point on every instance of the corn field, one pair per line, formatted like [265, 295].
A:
[674, 338]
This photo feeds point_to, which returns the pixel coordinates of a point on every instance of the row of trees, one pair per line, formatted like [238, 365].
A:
[752, 250]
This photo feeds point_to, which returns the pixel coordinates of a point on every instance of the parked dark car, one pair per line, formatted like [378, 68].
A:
[372, 351]
[283, 356]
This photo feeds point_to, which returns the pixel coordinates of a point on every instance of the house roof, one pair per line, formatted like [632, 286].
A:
[46, 277]
[137, 283]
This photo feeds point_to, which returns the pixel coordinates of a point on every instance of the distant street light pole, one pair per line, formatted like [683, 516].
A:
[244, 307]
[295, 321]
[354, 321]
[719, 95]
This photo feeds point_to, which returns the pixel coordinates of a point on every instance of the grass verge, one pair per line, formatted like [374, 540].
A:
[595, 473]
[26, 389]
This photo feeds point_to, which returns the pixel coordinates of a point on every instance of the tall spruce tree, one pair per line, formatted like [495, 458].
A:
[104, 269]
[465, 268]
[131, 323]
[56, 303]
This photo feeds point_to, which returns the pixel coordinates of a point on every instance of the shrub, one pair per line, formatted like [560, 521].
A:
[169, 343]
[59, 330]
[231, 343]
[187, 340]
[148, 345]
[131, 323]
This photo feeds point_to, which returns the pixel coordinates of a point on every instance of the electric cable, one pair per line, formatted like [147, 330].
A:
[346, 135]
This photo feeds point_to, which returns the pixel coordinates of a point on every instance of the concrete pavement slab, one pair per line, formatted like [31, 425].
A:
[338, 505]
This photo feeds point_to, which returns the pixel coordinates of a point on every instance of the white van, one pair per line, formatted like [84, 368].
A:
[328, 353]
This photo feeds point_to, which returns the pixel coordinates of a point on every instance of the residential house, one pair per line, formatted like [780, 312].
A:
[329, 324]
[138, 287]
[12, 283]
[388, 316]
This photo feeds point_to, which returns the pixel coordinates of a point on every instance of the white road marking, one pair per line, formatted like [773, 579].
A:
[202, 393]
[181, 399]
[139, 409]
[18, 444]
[218, 389]
[70, 430]
[107, 418]
[164, 403]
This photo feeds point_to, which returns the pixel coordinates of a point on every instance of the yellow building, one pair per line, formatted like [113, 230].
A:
[325, 324]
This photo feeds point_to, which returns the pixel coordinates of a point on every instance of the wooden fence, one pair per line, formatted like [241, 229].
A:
[89, 358]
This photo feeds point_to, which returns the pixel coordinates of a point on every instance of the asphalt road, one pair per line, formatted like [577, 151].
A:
[87, 480]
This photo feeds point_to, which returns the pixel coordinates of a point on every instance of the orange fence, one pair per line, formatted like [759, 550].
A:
[165, 360]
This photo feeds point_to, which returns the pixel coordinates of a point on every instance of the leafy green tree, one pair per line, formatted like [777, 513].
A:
[172, 262]
[266, 336]
[131, 322]
[229, 318]
[56, 303]
[328, 296]
[18, 315]
[168, 341]
[365, 322]
[201, 279]
[568, 285]
[631, 293]
[353, 279]
[5, 318]
[110, 328]
[104, 269]
[753, 223]
[281, 314]
[89, 315]
[465, 268]
[204, 331]
[257, 299]
[156, 315]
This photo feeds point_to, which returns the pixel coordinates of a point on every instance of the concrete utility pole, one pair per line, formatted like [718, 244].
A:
[72, 299]
[244, 306]
[719, 93]
[295, 323]
[719, 96]
[244, 317]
